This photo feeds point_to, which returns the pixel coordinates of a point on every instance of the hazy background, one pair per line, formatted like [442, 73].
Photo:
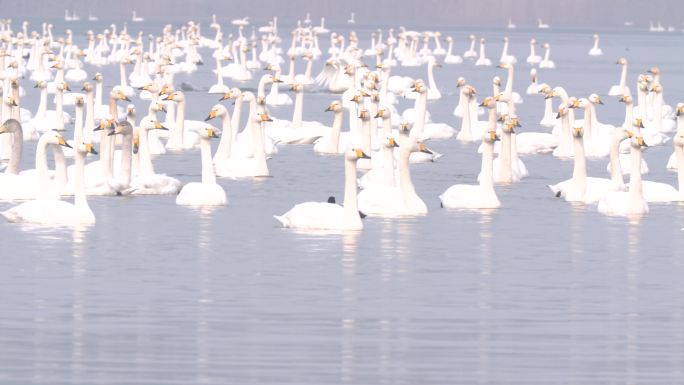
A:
[566, 13]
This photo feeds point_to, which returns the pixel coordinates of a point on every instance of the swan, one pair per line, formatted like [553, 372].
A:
[663, 192]
[57, 212]
[534, 87]
[336, 142]
[330, 216]
[533, 58]
[184, 134]
[619, 134]
[466, 133]
[632, 202]
[422, 129]
[470, 53]
[482, 195]
[549, 118]
[482, 59]
[451, 58]
[390, 200]
[505, 57]
[458, 110]
[507, 167]
[621, 88]
[296, 131]
[38, 184]
[123, 85]
[595, 50]
[219, 87]
[581, 188]
[547, 63]
[207, 192]
[275, 98]
[147, 181]
[230, 164]
[679, 112]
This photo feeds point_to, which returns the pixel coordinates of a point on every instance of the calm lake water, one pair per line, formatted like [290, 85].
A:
[537, 292]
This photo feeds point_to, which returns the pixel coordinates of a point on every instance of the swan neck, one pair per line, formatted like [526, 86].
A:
[224, 149]
[579, 171]
[208, 176]
[679, 154]
[615, 166]
[505, 167]
[351, 211]
[486, 169]
[298, 110]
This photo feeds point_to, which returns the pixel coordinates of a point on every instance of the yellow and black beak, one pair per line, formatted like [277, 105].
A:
[12, 102]
[63, 142]
[422, 148]
[361, 155]
[393, 143]
[641, 142]
[549, 95]
[265, 118]
[622, 99]
[211, 133]
[493, 136]
[212, 115]
[577, 131]
[158, 126]
[225, 96]
[90, 149]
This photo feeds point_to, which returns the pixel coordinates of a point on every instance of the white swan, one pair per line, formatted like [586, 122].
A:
[482, 59]
[581, 188]
[390, 200]
[533, 58]
[507, 167]
[57, 212]
[470, 53]
[505, 57]
[595, 50]
[207, 192]
[296, 131]
[451, 58]
[632, 202]
[330, 216]
[184, 134]
[147, 181]
[336, 142]
[546, 62]
[232, 164]
[621, 88]
[482, 195]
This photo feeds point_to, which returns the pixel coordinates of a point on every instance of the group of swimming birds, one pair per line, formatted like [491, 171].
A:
[380, 141]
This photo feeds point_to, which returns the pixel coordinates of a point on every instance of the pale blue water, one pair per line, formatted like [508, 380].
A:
[537, 292]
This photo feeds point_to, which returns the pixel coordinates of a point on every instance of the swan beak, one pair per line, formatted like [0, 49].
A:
[548, 96]
[66, 87]
[393, 143]
[136, 144]
[158, 126]
[483, 104]
[578, 131]
[622, 99]
[63, 142]
[211, 116]
[225, 96]
[600, 101]
[630, 133]
[265, 118]
[362, 155]
[37, 85]
[111, 133]
[13, 102]
[517, 123]
[424, 149]
[328, 109]
[277, 80]
[640, 141]
[212, 134]
[90, 149]
[500, 66]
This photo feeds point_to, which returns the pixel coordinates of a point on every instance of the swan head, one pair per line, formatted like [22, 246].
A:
[595, 99]
[87, 87]
[209, 132]
[460, 82]
[86, 148]
[510, 123]
[216, 110]
[63, 86]
[390, 142]
[496, 81]
[596, 36]
[578, 131]
[637, 141]
[654, 71]
[469, 90]
[482, 40]
[418, 86]
[334, 106]
[625, 99]
[262, 117]
[490, 136]
[679, 110]
[501, 97]
[10, 126]
[488, 102]
[11, 101]
[573, 102]
[97, 78]
[403, 127]
[562, 110]
[533, 41]
[546, 46]
[130, 110]
[448, 39]
[383, 113]
[355, 154]
[297, 87]
[621, 61]
[54, 137]
[364, 114]
[657, 89]
[79, 101]
[122, 128]
[471, 37]
[175, 96]
[638, 123]
[679, 139]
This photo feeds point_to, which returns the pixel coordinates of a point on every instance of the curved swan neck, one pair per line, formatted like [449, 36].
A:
[579, 171]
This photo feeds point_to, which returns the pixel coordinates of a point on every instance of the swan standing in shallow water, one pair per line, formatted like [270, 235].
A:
[595, 50]
[56, 212]
[481, 196]
[330, 216]
[207, 192]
